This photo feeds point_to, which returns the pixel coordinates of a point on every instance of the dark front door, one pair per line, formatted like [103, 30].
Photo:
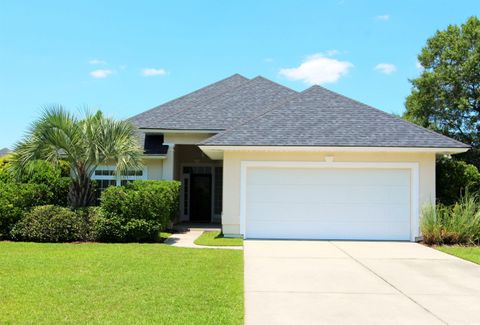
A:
[200, 198]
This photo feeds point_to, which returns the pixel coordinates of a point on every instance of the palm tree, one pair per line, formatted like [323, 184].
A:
[84, 143]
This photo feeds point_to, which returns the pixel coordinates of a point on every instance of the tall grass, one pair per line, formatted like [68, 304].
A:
[457, 224]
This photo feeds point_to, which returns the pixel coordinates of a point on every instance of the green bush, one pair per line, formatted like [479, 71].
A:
[16, 199]
[55, 178]
[114, 229]
[51, 223]
[137, 212]
[457, 224]
[454, 177]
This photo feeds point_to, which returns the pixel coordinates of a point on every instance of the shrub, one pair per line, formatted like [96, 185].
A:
[114, 229]
[16, 199]
[51, 223]
[137, 212]
[454, 177]
[55, 178]
[457, 224]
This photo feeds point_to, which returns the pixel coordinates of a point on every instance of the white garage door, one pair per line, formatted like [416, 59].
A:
[327, 203]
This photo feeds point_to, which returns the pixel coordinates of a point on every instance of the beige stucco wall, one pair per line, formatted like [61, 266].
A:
[231, 178]
[154, 168]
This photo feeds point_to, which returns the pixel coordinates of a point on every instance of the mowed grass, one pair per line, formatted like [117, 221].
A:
[469, 253]
[214, 238]
[119, 284]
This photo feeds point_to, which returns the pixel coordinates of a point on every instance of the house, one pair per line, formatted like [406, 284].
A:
[266, 161]
[4, 152]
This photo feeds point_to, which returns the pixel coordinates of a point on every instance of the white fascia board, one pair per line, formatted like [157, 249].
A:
[154, 157]
[215, 150]
[145, 130]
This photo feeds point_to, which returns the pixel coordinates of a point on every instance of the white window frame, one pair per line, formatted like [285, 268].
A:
[414, 183]
[118, 178]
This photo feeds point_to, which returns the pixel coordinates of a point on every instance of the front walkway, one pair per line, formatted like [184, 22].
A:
[322, 282]
[187, 235]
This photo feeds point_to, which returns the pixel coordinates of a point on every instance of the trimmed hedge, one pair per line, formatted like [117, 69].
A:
[51, 223]
[155, 203]
[113, 229]
[149, 200]
[16, 199]
[136, 212]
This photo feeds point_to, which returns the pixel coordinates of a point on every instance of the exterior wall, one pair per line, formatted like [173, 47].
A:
[154, 168]
[231, 176]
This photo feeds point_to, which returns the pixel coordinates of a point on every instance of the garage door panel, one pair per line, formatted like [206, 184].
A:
[330, 231]
[328, 194]
[327, 176]
[328, 203]
[328, 213]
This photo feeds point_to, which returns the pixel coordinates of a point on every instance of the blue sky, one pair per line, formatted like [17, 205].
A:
[125, 57]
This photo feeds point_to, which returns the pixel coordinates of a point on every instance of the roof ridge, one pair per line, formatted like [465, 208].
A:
[275, 106]
[385, 113]
[190, 93]
[244, 85]
[274, 82]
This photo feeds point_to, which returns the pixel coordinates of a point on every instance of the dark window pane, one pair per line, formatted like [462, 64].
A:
[154, 144]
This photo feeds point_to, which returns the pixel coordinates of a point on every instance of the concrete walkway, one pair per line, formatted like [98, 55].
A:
[321, 282]
[187, 238]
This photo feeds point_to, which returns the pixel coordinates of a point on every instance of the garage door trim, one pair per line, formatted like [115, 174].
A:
[414, 181]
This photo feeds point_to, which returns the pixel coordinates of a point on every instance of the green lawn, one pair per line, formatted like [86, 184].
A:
[119, 284]
[467, 253]
[214, 238]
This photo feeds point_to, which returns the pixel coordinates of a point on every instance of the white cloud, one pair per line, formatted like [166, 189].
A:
[97, 62]
[318, 69]
[101, 73]
[383, 17]
[148, 72]
[386, 68]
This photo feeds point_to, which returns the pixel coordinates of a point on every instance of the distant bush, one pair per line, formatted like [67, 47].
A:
[16, 199]
[51, 223]
[137, 212]
[454, 177]
[457, 224]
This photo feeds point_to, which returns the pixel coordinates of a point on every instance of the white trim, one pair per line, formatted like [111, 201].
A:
[152, 131]
[330, 149]
[414, 181]
[154, 157]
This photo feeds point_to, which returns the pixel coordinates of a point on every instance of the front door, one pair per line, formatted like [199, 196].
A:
[200, 198]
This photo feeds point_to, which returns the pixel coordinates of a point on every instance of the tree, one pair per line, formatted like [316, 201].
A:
[84, 143]
[446, 96]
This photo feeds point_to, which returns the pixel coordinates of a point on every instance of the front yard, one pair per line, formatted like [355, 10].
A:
[471, 254]
[119, 284]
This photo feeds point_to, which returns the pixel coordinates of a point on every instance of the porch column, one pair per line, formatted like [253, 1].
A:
[169, 162]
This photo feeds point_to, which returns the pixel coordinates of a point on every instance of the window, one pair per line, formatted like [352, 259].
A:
[154, 145]
[105, 177]
[218, 190]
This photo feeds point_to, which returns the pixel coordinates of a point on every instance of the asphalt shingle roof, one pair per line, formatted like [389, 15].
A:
[319, 117]
[152, 118]
[230, 108]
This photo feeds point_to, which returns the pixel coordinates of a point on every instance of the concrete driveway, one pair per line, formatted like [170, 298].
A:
[324, 282]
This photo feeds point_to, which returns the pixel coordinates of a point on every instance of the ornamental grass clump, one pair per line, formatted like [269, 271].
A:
[456, 224]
